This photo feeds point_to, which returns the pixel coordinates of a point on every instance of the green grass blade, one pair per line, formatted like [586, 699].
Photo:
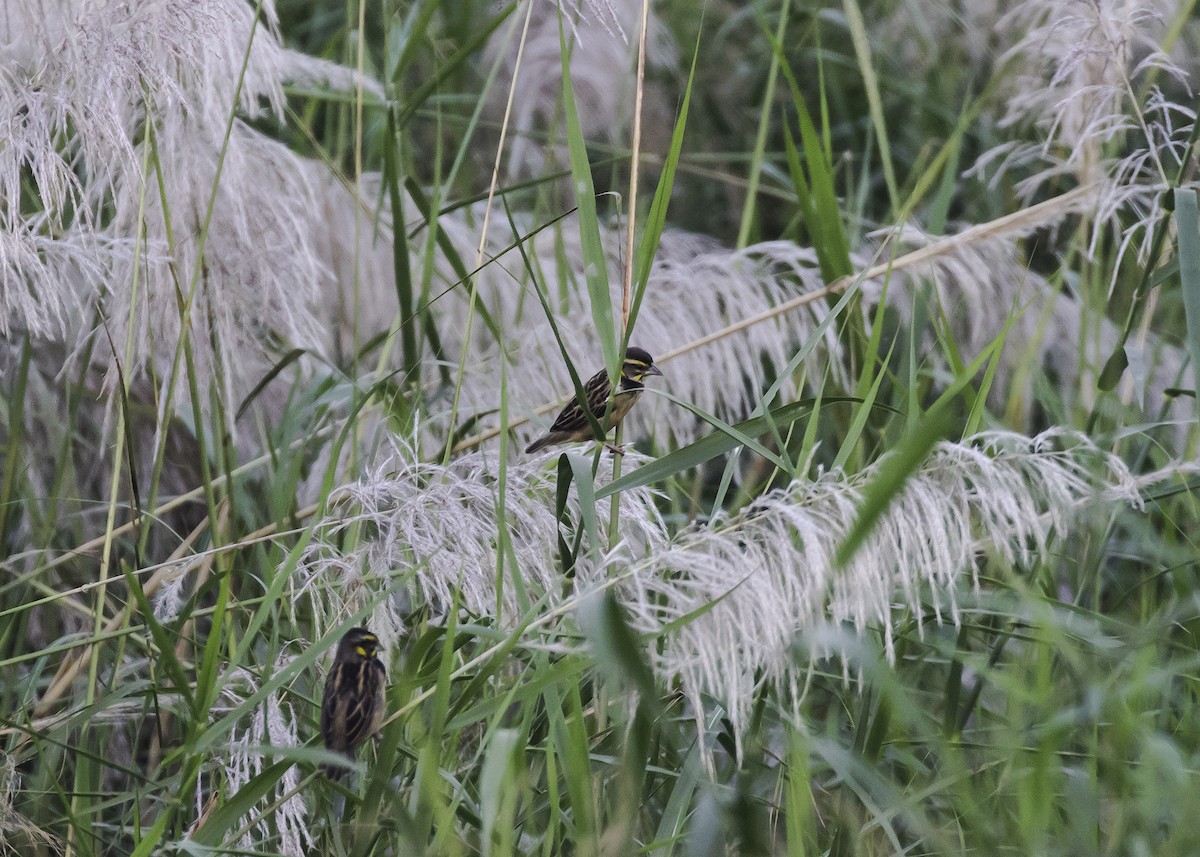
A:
[656, 220]
[866, 65]
[715, 444]
[229, 812]
[576, 382]
[401, 264]
[817, 194]
[14, 441]
[858, 424]
[581, 468]
[706, 831]
[149, 840]
[616, 649]
[280, 365]
[497, 800]
[1188, 221]
[758, 154]
[454, 62]
[938, 423]
[595, 272]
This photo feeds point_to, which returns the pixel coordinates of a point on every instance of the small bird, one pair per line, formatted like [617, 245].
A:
[572, 424]
[353, 705]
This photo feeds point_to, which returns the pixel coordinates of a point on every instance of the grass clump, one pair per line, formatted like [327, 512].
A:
[899, 559]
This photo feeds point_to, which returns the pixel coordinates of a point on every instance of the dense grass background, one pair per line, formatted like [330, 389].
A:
[818, 618]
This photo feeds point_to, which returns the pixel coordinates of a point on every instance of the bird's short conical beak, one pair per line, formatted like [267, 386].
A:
[653, 370]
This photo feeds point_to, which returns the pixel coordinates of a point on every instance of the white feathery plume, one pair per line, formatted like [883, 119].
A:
[759, 580]
[1136, 180]
[86, 83]
[82, 85]
[80, 78]
[309, 72]
[695, 288]
[1078, 62]
[172, 593]
[259, 275]
[337, 583]
[438, 526]
[982, 286]
[1078, 59]
[601, 39]
[273, 723]
[81, 75]
[749, 585]
[41, 275]
[355, 246]
[1075, 70]
[691, 293]
[14, 827]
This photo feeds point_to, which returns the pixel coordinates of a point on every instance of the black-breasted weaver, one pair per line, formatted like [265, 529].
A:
[353, 705]
[572, 424]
